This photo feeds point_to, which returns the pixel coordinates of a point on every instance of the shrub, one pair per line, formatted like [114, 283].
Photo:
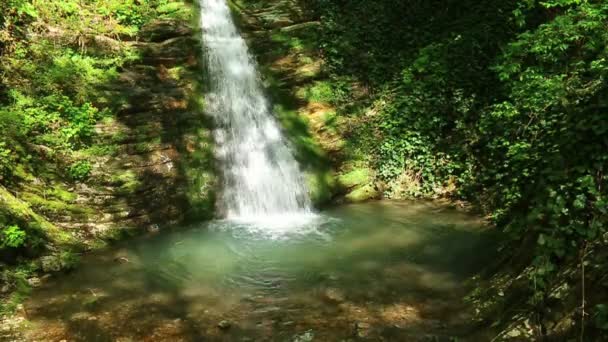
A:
[80, 170]
[12, 237]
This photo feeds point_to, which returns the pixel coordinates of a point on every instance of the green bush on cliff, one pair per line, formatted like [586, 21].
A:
[57, 60]
[80, 170]
[12, 237]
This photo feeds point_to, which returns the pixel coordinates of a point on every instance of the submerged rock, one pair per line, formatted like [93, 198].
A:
[307, 336]
[121, 259]
[224, 325]
[154, 228]
[362, 329]
[333, 295]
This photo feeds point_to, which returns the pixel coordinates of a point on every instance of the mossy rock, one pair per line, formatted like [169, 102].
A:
[161, 30]
[321, 187]
[355, 178]
[14, 210]
[362, 194]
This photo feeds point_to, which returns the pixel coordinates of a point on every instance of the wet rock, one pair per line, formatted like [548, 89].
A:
[50, 263]
[154, 228]
[333, 295]
[514, 333]
[307, 336]
[363, 193]
[224, 325]
[362, 329]
[80, 316]
[34, 282]
[121, 259]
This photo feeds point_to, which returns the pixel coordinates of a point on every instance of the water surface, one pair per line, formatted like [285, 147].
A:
[390, 271]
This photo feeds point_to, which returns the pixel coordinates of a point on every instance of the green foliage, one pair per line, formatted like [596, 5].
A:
[81, 170]
[50, 83]
[68, 260]
[6, 160]
[12, 236]
[57, 61]
[601, 317]
[507, 98]
[16, 279]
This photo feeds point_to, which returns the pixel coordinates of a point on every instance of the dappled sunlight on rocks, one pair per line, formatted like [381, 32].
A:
[356, 275]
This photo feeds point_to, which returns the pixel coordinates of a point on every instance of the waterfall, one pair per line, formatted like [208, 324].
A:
[262, 180]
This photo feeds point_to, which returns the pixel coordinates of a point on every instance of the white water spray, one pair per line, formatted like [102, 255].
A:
[262, 180]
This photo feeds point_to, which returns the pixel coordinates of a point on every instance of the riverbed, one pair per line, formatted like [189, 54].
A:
[394, 271]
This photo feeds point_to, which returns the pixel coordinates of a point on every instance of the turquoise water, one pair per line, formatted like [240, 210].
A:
[384, 270]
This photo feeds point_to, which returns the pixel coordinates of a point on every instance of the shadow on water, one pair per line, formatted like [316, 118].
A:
[399, 268]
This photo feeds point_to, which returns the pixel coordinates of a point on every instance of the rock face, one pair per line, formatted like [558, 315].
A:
[154, 161]
[153, 176]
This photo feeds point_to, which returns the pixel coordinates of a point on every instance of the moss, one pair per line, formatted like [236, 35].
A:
[177, 73]
[52, 206]
[97, 243]
[100, 150]
[16, 279]
[362, 194]
[147, 146]
[292, 43]
[61, 193]
[198, 168]
[15, 210]
[127, 182]
[69, 259]
[20, 172]
[354, 178]
[175, 10]
[319, 91]
[119, 137]
[321, 187]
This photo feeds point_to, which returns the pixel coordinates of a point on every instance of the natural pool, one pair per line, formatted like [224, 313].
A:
[393, 271]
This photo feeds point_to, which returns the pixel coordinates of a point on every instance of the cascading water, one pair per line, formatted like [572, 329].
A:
[262, 180]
